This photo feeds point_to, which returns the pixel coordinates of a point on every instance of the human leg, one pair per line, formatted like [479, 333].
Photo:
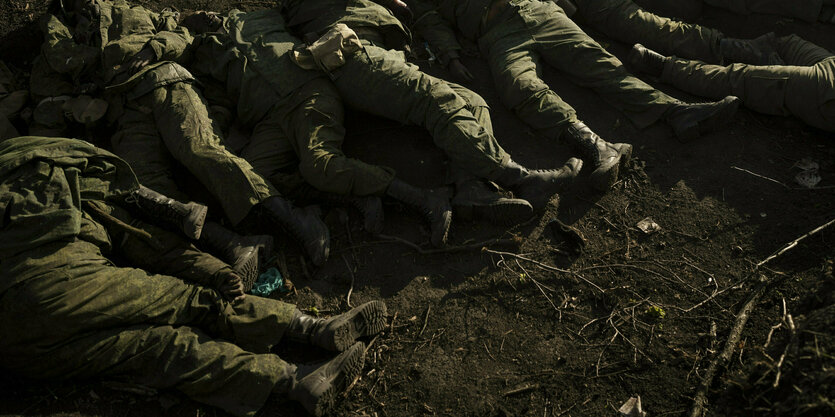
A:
[807, 10]
[182, 119]
[516, 69]
[625, 21]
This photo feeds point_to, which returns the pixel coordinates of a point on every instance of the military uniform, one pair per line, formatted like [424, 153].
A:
[516, 37]
[66, 311]
[161, 116]
[454, 116]
[623, 20]
[807, 10]
[804, 87]
[295, 115]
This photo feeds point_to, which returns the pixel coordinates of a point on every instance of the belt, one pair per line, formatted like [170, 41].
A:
[495, 9]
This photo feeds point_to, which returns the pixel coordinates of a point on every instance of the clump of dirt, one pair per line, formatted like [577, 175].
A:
[536, 324]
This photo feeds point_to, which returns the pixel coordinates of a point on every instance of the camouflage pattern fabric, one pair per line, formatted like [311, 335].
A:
[85, 317]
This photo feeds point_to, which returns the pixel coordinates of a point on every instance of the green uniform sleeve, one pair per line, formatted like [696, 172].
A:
[62, 53]
[157, 250]
[171, 45]
[437, 31]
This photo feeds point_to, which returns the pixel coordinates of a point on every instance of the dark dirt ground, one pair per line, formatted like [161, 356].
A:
[486, 334]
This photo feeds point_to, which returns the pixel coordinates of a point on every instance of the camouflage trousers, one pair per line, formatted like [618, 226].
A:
[171, 125]
[457, 118]
[807, 10]
[80, 316]
[304, 132]
[529, 33]
[624, 21]
[804, 87]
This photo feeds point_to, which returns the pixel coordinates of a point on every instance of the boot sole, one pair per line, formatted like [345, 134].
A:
[352, 362]
[365, 320]
[248, 269]
[721, 117]
[603, 178]
[504, 213]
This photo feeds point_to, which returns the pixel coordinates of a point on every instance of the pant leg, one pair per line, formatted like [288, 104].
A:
[563, 45]
[314, 123]
[77, 290]
[184, 358]
[475, 105]
[795, 50]
[517, 75]
[807, 10]
[181, 116]
[381, 82]
[624, 21]
[687, 10]
[138, 142]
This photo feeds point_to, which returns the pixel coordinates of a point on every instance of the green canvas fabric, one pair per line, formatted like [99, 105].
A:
[807, 10]
[67, 311]
[804, 87]
[625, 21]
[401, 91]
[298, 125]
[528, 34]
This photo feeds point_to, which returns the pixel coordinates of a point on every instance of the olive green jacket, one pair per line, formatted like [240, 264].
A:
[317, 16]
[255, 50]
[99, 53]
[43, 182]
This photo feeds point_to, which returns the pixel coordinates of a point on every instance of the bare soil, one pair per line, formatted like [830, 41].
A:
[528, 327]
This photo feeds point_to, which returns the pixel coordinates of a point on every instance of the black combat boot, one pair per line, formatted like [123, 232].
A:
[435, 209]
[338, 332]
[690, 120]
[538, 186]
[475, 200]
[246, 254]
[317, 387]
[603, 157]
[186, 217]
[757, 51]
[643, 59]
[371, 207]
[303, 224]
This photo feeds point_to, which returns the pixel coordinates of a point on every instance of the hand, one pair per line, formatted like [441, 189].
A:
[401, 11]
[141, 59]
[459, 71]
[232, 288]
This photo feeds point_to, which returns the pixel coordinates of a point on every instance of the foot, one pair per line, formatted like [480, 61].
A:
[606, 159]
[372, 213]
[434, 207]
[540, 186]
[318, 388]
[643, 59]
[338, 332]
[689, 121]
[250, 256]
[475, 200]
[303, 224]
